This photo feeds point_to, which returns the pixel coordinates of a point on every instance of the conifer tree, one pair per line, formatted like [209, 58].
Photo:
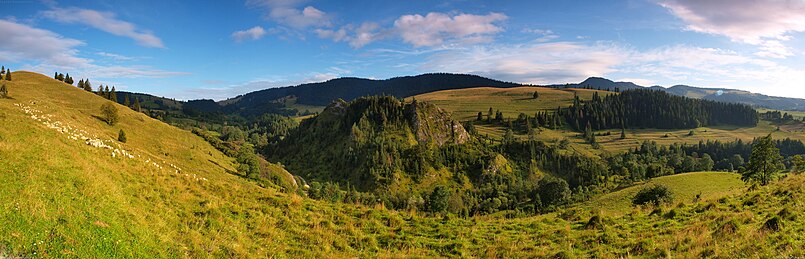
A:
[81, 83]
[8, 75]
[480, 116]
[109, 113]
[100, 90]
[536, 95]
[56, 75]
[3, 91]
[489, 115]
[126, 101]
[113, 95]
[623, 133]
[137, 104]
[87, 86]
[121, 136]
[106, 93]
[68, 79]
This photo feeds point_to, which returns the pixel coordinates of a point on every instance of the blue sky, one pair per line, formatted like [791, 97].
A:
[219, 49]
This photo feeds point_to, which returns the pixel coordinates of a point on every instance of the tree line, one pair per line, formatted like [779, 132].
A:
[644, 108]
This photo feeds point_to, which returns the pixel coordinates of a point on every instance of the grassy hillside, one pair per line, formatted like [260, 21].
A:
[61, 197]
[464, 104]
[685, 187]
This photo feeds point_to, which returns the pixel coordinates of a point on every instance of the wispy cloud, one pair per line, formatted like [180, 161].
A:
[22, 42]
[46, 51]
[104, 21]
[222, 91]
[763, 23]
[253, 33]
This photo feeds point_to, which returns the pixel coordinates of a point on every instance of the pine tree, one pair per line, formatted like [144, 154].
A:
[113, 95]
[56, 75]
[68, 79]
[623, 133]
[106, 93]
[87, 86]
[81, 83]
[536, 95]
[121, 136]
[489, 115]
[137, 104]
[8, 75]
[480, 116]
[100, 91]
[765, 162]
[3, 91]
[126, 101]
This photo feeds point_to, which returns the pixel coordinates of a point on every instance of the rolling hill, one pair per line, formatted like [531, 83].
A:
[714, 94]
[71, 190]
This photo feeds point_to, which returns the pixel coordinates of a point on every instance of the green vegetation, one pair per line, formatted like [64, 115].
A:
[653, 195]
[121, 136]
[109, 113]
[3, 91]
[686, 188]
[765, 162]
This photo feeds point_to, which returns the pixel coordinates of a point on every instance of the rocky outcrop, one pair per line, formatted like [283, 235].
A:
[432, 124]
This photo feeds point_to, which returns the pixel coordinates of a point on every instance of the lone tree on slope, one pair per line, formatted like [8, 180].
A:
[765, 162]
[3, 91]
[109, 113]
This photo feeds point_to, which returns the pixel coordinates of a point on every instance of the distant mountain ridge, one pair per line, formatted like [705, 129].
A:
[714, 94]
[350, 88]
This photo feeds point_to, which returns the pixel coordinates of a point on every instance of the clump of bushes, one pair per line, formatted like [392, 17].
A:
[774, 223]
[109, 113]
[121, 136]
[653, 195]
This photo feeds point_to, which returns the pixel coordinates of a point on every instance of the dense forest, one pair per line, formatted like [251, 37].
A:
[642, 108]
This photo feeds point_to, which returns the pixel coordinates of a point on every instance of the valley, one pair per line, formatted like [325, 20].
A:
[167, 192]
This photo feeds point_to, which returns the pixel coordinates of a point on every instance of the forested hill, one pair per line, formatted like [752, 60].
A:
[323, 93]
[644, 108]
[714, 94]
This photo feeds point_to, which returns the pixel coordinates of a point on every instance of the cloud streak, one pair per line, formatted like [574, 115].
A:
[104, 21]
[53, 52]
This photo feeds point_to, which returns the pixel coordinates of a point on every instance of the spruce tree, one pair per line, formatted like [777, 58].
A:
[480, 116]
[623, 133]
[121, 136]
[536, 95]
[87, 85]
[109, 113]
[113, 95]
[8, 75]
[3, 91]
[137, 104]
[56, 75]
[126, 101]
[100, 90]
[81, 83]
[106, 93]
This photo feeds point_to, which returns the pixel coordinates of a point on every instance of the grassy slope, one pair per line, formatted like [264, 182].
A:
[685, 187]
[466, 103]
[60, 197]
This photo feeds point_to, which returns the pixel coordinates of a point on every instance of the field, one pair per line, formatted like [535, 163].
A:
[685, 187]
[63, 197]
[464, 104]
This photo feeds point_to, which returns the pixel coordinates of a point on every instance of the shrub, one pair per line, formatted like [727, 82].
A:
[121, 136]
[655, 194]
[595, 222]
[109, 113]
[3, 91]
[775, 223]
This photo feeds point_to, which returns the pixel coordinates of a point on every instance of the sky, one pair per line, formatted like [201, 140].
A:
[221, 49]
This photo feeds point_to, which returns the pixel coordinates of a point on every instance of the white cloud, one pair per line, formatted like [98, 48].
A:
[45, 51]
[357, 36]
[253, 33]
[570, 62]
[287, 13]
[21, 42]
[115, 56]
[436, 28]
[762, 23]
[104, 21]
[542, 63]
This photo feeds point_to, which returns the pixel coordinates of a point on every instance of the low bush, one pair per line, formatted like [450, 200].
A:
[654, 195]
